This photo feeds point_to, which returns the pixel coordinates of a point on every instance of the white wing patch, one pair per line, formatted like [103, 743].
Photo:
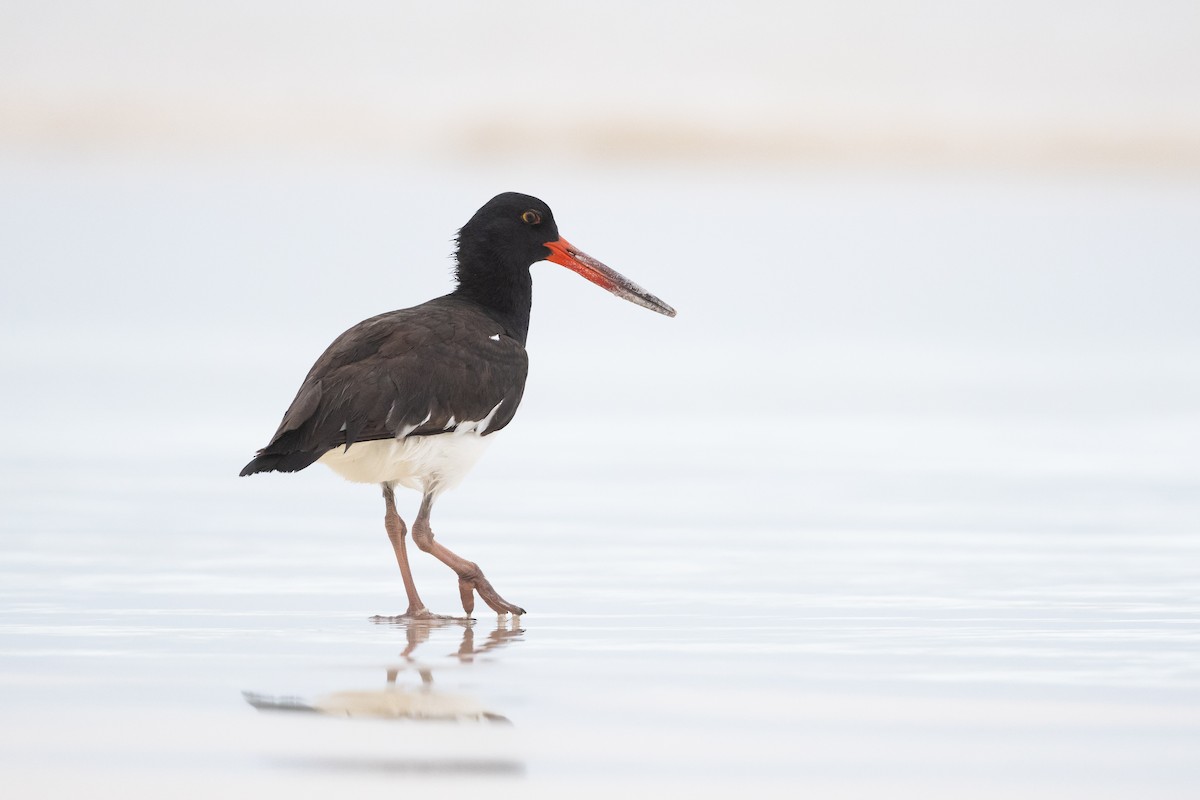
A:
[495, 337]
[405, 430]
[486, 421]
[480, 427]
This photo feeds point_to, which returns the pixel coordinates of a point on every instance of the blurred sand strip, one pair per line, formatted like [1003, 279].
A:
[116, 124]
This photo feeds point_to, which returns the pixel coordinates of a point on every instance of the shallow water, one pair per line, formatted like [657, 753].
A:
[926, 567]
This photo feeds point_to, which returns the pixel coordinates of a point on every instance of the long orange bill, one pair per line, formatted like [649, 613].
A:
[564, 253]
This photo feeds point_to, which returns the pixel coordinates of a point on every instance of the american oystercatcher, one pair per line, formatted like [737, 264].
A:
[412, 397]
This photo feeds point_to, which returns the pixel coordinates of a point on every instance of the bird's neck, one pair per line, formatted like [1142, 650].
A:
[506, 294]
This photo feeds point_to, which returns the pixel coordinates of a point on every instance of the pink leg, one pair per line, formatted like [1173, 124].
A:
[396, 533]
[470, 576]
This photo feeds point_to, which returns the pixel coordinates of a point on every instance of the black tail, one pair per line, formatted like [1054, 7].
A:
[279, 462]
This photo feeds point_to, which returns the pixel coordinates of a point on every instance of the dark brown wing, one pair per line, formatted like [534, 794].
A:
[413, 372]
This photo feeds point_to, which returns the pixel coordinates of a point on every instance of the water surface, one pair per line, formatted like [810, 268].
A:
[918, 526]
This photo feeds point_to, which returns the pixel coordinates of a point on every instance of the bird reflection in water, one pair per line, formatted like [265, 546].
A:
[406, 701]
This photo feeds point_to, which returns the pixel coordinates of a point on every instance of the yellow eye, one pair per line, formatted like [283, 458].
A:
[531, 218]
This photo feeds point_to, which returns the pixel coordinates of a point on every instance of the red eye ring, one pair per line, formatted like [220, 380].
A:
[531, 217]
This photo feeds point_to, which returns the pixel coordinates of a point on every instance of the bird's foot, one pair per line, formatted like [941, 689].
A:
[421, 614]
[472, 582]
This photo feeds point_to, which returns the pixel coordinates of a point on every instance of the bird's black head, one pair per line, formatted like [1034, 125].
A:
[509, 233]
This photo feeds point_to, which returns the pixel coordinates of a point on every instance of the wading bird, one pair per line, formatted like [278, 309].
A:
[412, 397]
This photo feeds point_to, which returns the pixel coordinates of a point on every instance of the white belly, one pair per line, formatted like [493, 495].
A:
[426, 463]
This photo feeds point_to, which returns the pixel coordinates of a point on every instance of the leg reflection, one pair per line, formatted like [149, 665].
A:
[411, 700]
